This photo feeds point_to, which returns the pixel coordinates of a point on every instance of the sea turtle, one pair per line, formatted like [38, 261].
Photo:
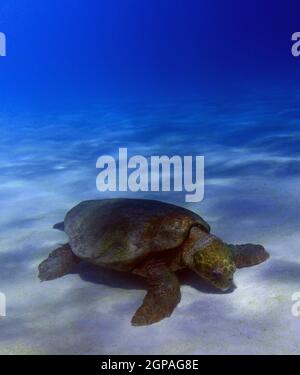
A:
[152, 239]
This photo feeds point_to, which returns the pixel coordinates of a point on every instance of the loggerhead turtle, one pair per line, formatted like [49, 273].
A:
[152, 239]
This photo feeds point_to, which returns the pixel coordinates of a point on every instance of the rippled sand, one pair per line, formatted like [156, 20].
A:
[252, 195]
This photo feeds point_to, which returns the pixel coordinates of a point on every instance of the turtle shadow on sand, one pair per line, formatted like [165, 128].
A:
[115, 279]
[282, 271]
[102, 276]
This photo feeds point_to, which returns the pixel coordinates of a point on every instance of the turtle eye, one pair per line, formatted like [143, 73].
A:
[217, 274]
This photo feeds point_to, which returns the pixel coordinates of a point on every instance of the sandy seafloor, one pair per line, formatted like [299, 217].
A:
[252, 186]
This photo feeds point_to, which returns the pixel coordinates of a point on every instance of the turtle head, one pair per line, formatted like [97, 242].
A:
[213, 260]
[215, 264]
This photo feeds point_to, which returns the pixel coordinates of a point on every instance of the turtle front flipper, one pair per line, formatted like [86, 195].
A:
[248, 255]
[162, 297]
[60, 262]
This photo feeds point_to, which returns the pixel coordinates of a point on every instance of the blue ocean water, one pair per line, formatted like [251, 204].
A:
[82, 79]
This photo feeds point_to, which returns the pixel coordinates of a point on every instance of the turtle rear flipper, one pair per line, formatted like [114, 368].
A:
[248, 255]
[162, 297]
[59, 226]
[60, 262]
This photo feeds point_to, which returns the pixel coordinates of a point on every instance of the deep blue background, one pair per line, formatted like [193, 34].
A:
[62, 53]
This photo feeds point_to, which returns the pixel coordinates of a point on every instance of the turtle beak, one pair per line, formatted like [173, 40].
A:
[230, 288]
